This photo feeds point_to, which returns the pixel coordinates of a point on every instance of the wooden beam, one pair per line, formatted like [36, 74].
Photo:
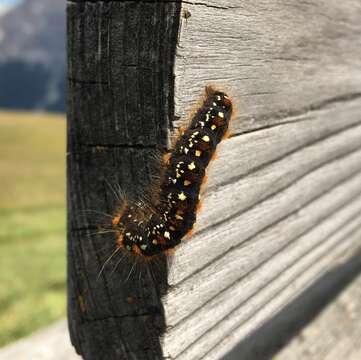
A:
[278, 58]
[283, 199]
[279, 207]
[120, 61]
[334, 333]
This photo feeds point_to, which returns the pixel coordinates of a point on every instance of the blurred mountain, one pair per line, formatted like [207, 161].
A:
[32, 56]
[4, 8]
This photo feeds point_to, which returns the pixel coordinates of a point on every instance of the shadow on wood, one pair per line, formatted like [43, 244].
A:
[120, 63]
[264, 343]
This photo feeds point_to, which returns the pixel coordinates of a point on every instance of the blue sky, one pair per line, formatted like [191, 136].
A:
[6, 4]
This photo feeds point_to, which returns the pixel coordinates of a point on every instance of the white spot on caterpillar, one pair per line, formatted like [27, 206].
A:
[191, 166]
[181, 196]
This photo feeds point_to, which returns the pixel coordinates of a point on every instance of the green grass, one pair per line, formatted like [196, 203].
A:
[32, 218]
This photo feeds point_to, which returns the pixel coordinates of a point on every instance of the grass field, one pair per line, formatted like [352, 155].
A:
[32, 218]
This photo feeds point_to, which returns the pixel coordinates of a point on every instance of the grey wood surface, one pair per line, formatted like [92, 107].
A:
[277, 58]
[334, 334]
[282, 204]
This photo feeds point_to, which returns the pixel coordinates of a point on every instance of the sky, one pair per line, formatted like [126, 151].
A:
[6, 4]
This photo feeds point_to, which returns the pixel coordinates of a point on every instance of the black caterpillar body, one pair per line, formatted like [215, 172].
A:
[180, 184]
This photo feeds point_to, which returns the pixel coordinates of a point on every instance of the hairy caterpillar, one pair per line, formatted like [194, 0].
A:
[149, 232]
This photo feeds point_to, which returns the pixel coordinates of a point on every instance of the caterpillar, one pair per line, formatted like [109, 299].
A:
[160, 228]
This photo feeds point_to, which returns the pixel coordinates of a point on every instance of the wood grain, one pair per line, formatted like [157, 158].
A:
[277, 58]
[120, 60]
[272, 209]
[224, 286]
[282, 204]
[299, 283]
[320, 340]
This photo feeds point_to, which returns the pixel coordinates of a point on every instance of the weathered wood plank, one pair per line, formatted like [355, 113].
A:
[283, 198]
[278, 57]
[259, 148]
[120, 60]
[265, 244]
[259, 216]
[347, 247]
[334, 334]
[225, 285]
